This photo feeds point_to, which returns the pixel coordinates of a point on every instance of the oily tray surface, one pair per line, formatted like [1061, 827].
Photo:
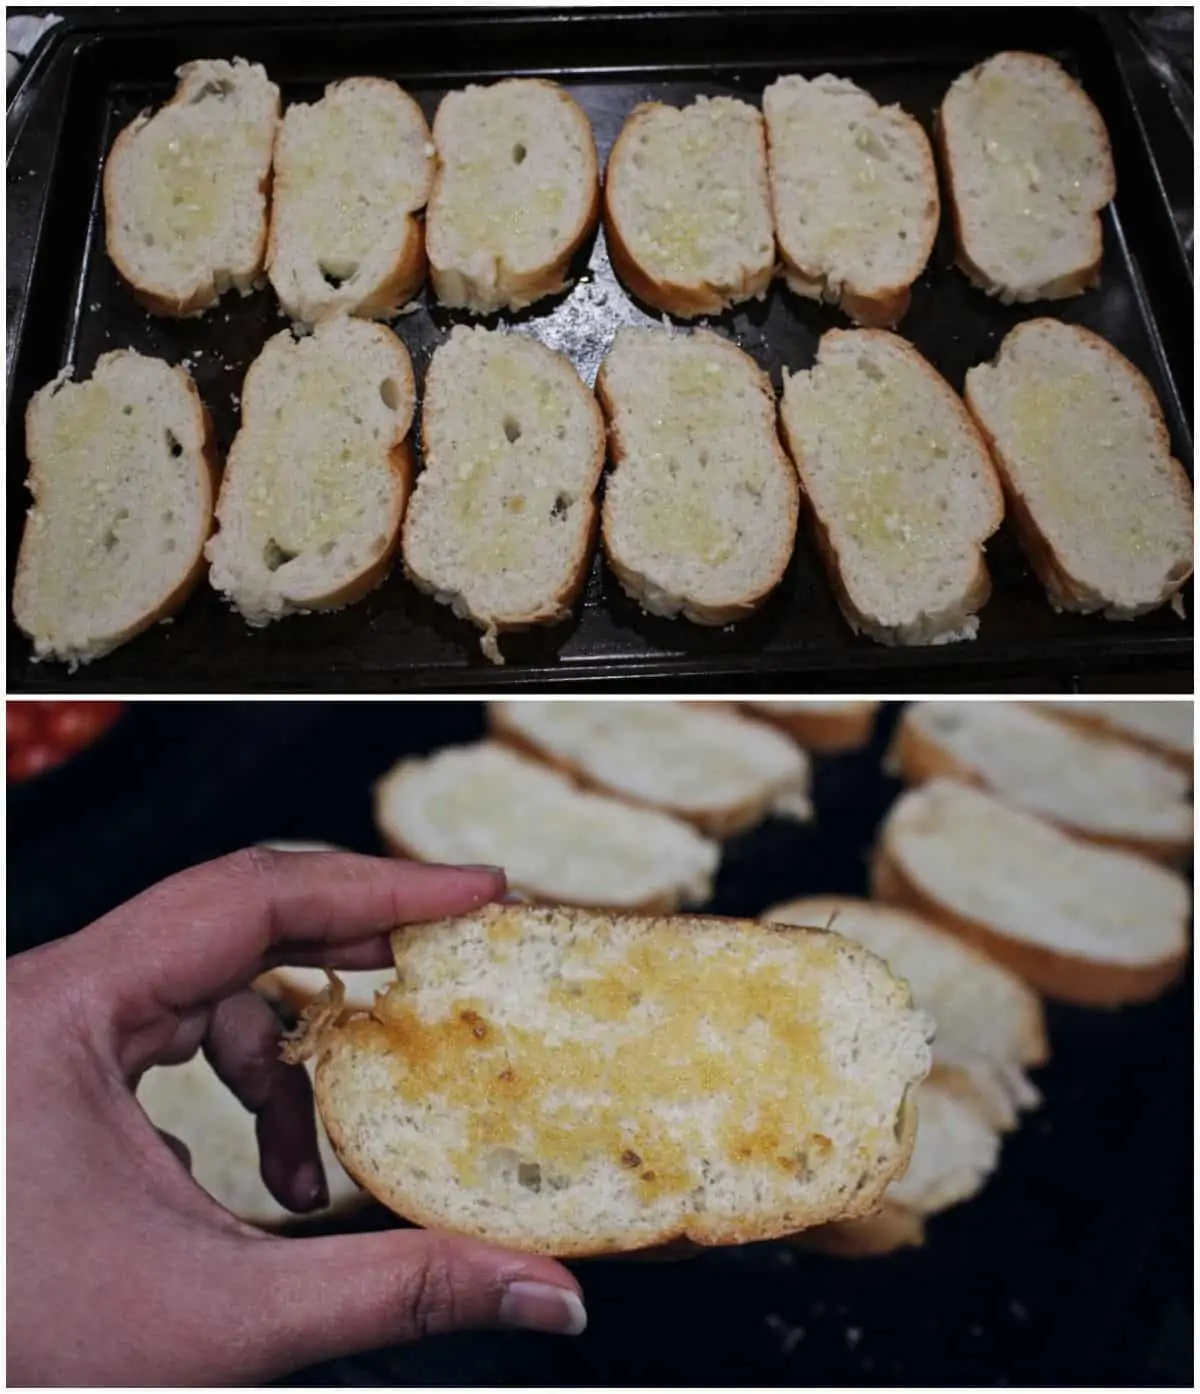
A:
[74, 308]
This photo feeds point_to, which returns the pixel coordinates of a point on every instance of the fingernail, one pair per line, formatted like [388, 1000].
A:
[540, 1307]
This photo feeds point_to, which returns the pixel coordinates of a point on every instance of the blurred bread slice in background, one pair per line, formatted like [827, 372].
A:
[829, 727]
[1166, 728]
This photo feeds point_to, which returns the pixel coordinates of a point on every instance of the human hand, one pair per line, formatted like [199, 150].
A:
[121, 1270]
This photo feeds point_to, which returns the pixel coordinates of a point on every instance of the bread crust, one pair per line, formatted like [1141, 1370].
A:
[685, 300]
[925, 629]
[828, 732]
[407, 273]
[514, 290]
[716, 822]
[210, 473]
[640, 587]
[1059, 976]
[1067, 592]
[1082, 717]
[155, 299]
[699, 1230]
[918, 758]
[1083, 278]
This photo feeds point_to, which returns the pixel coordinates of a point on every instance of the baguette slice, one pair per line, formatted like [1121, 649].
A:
[687, 206]
[1097, 788]
[1116, 536]
[703, 762]
[486, 805]
[185, 190]
[1079, 923]
[574, 1083]
[1166, 728]
[192, 1104]
[902, 491]
[1028, 168]
[516, 194]
[122, 469]
[855, 196]
[990, 1026]
[319, 473]
[829, 727]
[701, 508]
[955, 1151]
[503, 518]
[352, 173]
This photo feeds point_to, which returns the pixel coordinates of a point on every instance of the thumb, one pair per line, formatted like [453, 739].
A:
[331, 1297]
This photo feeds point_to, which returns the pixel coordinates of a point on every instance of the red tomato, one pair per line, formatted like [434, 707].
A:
[24, 761]
[73, 725]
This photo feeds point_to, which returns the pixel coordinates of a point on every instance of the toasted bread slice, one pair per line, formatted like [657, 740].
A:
[990, 1026]
[703, 762]
[902, 491]
[319, 473]
[687, 206]
[1028, 168]
[700, 511]
[855, 195]
[122, 470]
[185, 190]
[1166, 728]
[1079, 923]
[1116, 536]
[352, 173]
[503, 517]
[1097, 788]
[190, 1103]
[516, 194]
[955, 1152]
[575, 1083]
[487, 805]
[829, 727]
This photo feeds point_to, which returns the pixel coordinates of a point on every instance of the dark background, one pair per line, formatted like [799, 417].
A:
[1073, 1267]
[108, 65]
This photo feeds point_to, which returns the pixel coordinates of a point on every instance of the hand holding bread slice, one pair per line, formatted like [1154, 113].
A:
[185, 190]
[576, 1083]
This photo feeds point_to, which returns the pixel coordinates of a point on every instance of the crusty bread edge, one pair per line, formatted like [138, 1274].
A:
[210, 475]
[408, 271]
[918, 757]
[1064, 590]
[453, 288]
[157, 302]
[635, 583]
[1062, 977]
[1082, 718]
[829, 733]
[684, 300]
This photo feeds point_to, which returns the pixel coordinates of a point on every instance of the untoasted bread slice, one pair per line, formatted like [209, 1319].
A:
[503, 517]
[1028, 168]
[687, 206]
[352, 173]
[516, 194]
[955, 1152]
[319, 473]
[575, 1083]
[487, 805]
[1079, 923]
[829, 727]
[902, 492]
[703, 762]
[1116, 536]
[855, 196]
[1098, 788]
[990, 1026]
[701, 508]
[122, 470]
[185, 190]
[1166, 728]
[190, 1103]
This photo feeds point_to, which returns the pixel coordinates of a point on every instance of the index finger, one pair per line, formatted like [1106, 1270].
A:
[198, 936]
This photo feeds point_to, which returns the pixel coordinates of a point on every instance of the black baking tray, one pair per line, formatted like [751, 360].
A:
[1072, 1267]
[66, 304]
